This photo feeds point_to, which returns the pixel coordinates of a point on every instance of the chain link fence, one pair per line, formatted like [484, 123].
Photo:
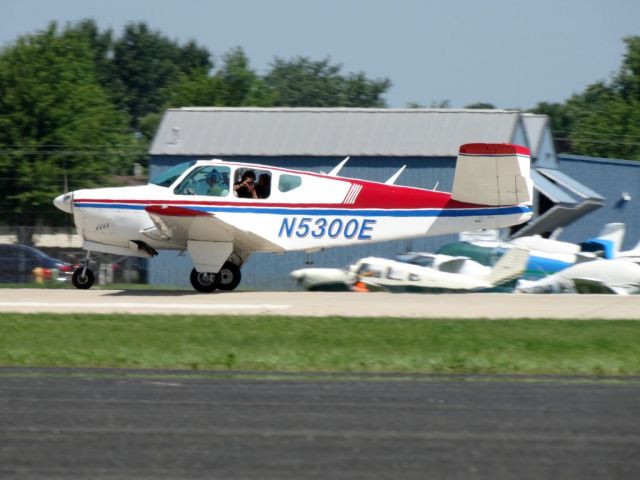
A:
[47, 256]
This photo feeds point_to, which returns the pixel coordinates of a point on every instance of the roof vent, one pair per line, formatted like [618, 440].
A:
[175, 136]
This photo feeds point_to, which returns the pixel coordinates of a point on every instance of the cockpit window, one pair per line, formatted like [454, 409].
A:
[368, 270]
[212, 180]
[289, 182]
[166, 178]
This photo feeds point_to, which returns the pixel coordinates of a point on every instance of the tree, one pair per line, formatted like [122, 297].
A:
[239, 85]
[481, 106]
[305, 83]
[57, 125]
[561, 123]
[604, 120]
[145, 63]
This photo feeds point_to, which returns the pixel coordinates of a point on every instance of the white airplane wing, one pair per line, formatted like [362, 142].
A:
[180, 224]
[593, 285]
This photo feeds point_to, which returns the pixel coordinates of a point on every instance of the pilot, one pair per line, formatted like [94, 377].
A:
[216, 185]
[244, 188]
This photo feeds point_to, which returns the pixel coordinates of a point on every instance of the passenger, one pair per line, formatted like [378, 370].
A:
[245, 188]
[263, 189]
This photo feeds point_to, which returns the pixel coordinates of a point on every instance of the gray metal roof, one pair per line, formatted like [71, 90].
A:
[329, 131]
[535, 125]
[571, 199]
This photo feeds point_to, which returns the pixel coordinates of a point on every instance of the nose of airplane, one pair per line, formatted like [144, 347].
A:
[64, 202]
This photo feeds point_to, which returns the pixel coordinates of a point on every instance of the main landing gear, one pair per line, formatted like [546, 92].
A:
[227, 279]
[83, 277]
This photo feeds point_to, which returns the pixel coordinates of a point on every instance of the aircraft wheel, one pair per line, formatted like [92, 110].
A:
[82, 281]
[204, 282]
[229, 276]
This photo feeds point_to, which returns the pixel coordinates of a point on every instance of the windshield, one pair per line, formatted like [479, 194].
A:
[166, 178]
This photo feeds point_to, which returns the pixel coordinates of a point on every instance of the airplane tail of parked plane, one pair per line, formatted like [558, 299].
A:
[510, 266]
[609, 241]
[492, 174]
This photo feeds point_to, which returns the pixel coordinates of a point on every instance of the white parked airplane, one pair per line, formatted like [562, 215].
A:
[221, 212]
[547, 256]
[399, 276]
[619, 276]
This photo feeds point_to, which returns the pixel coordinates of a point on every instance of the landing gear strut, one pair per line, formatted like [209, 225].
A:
[227, 279]
[83, 277]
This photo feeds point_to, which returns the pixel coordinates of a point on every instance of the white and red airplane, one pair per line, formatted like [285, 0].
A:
[220, 212]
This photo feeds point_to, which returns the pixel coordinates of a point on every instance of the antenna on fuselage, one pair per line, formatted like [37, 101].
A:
[337, 168]
[394, 177]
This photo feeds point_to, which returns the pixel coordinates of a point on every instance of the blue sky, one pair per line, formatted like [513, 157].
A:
[512, 53]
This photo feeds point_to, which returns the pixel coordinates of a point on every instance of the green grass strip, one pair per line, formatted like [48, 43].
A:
[607, 347]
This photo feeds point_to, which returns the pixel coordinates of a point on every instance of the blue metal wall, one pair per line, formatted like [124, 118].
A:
[610, 178]
[267, 271]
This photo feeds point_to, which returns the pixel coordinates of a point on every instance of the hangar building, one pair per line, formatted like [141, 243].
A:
[618, 181]
[379, 142]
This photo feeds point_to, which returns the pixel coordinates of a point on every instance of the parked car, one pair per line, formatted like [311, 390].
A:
[17, 263]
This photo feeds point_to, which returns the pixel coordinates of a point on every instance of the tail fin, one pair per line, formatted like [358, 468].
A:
[510, 267]
[609, 240]
[493, 174]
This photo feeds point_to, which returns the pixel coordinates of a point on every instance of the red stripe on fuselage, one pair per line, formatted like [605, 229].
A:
[172, 211]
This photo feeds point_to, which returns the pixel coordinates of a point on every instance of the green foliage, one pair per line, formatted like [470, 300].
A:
[57, 124]
[604, 120]
[239, 85]
[303, 82]
[593, 347]
[481, 106]
[145, 63]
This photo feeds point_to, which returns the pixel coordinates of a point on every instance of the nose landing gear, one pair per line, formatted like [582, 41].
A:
[83, 277]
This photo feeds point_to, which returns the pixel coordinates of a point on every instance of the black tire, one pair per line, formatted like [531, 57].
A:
[82, 281]
[229, 276]
[204, 282]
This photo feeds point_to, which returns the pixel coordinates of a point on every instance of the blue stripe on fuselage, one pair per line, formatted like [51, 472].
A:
[466, 212]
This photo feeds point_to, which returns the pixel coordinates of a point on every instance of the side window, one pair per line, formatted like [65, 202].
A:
[395, 274]
[252, 183]
[212, 181]
[368, 270]
[422, 261]
[289, 182]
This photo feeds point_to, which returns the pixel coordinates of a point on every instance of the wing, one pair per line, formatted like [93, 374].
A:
[179, 225]
[593, 285]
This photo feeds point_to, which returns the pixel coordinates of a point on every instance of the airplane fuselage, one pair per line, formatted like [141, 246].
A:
[221, 212]
[328, 212]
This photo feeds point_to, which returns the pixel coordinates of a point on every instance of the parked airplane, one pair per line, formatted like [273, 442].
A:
[221, 212]
[343, 279]
[632, 255]
[546, 256]
[600, 276]
[417, 276]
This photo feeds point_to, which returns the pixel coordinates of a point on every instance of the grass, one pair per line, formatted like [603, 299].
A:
[332, 344]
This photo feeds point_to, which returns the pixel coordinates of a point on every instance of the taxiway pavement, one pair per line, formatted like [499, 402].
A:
[480, 305]
[117, 424]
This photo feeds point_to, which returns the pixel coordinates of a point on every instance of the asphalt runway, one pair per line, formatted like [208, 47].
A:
[116, 424]
[477, 305]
